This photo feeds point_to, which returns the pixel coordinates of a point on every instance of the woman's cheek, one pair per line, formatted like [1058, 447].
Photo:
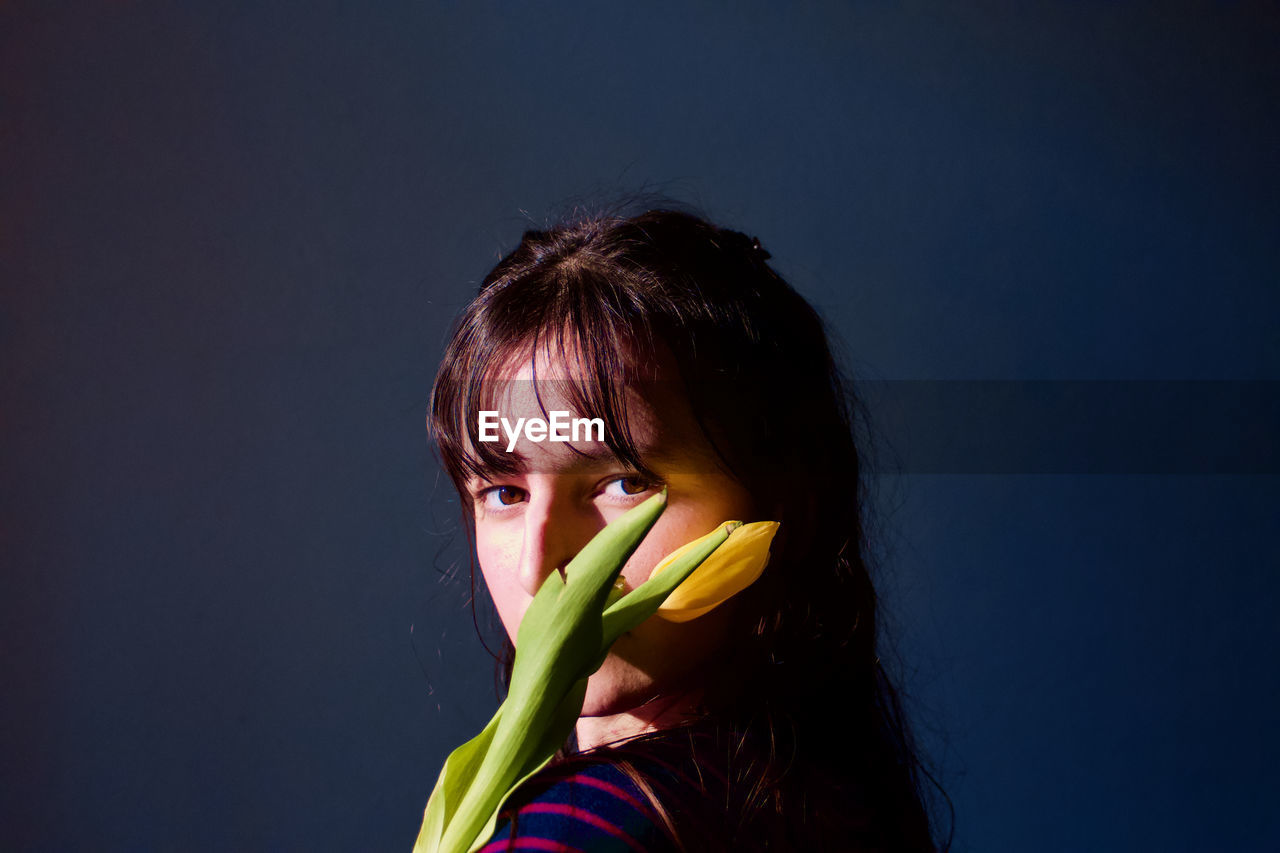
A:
[499, 560]
[660, 542]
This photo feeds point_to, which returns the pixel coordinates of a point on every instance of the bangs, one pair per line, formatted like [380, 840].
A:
[576, 318]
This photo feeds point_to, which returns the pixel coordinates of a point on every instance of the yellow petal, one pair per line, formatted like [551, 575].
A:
[731, 568]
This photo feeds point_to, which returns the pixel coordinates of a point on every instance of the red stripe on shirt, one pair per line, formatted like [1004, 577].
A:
[586, 817]
[609, 787]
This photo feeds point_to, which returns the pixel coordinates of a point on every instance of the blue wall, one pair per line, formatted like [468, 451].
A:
[232, 238]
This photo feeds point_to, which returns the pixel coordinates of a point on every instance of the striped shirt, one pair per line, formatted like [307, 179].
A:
[594, 809]
[703, 777]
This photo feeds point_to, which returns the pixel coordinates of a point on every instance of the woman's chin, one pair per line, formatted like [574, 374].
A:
[658, 672]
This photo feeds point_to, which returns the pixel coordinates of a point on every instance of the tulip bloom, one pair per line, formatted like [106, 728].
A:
[563, 638]
[733, 567]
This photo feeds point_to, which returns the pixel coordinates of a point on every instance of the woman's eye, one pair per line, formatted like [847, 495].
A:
[500, 497]
[626, 487]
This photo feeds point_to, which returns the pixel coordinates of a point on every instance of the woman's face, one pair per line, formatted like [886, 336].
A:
[533, 522]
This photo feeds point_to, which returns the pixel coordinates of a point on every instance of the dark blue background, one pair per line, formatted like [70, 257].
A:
[233, 236]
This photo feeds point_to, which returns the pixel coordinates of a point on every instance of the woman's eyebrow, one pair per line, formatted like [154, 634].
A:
[664, 452]
[645, 452]
[576, 459]
[484, 474]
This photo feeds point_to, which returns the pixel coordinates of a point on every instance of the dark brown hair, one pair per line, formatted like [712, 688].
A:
[811, 740]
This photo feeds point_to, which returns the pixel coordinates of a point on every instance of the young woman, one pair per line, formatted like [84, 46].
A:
[768, 722]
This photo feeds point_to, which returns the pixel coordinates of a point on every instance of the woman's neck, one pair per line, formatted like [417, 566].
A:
[664, 712]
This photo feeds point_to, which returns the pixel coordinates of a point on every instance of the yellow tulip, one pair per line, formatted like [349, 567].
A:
[729, 570]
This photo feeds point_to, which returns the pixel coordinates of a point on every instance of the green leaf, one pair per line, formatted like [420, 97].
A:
[455, 779]
[558, 731]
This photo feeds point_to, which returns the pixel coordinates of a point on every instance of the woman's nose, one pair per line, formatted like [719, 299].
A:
[554, 533]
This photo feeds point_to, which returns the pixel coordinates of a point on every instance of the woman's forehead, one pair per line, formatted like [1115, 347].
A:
[636, 390]
[646, 415]
[556, 375]
[656, 418]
